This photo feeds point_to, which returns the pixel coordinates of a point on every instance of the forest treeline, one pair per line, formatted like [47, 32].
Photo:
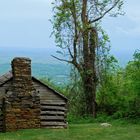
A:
[118, 90]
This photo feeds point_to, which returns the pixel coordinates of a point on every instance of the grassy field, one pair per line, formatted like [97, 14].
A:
[91, 131]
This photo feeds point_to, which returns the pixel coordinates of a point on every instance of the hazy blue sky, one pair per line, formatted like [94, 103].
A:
[25, 23]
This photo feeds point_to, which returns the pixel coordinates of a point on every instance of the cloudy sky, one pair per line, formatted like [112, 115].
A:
[25, 23]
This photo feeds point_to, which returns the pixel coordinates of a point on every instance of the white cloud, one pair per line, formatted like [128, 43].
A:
[132, 9]
[15, 9]
[130, 24]
[127, 25]
[131, 32]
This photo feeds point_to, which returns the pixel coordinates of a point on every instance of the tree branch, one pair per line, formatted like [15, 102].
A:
[70, 53]
[107, 11]
[60, 59]
[71, 62]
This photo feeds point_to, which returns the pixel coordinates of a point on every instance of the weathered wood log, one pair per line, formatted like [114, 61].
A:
[52, 117]
[52, 112]
[48, 102]
[57, 127]
[52, 123]
[46, 93]
[49, 97]
[1, 122]
[53, 108]
[1, 118]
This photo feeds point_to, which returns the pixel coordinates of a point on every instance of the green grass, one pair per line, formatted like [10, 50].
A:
[91, 131]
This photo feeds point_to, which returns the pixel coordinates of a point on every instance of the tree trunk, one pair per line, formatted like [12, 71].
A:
[89, 71]
[89, 91]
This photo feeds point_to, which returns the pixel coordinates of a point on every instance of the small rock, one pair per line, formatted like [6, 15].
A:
[105, 124]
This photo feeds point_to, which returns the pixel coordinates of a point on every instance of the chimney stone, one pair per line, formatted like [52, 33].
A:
[22, 107]
[22, 79]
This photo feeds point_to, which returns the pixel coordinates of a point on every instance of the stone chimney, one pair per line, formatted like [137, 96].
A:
[22, 106]
[22, 79]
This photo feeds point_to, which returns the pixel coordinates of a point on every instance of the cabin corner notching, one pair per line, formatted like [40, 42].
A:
[26, 102]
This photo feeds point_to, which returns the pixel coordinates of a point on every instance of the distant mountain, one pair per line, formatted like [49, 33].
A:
[43, 55]
[43, 65]
[56, 73]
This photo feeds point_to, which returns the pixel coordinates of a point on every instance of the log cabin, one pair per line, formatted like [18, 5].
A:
[26, 102]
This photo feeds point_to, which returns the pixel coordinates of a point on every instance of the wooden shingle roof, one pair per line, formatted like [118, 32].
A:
[8, 76]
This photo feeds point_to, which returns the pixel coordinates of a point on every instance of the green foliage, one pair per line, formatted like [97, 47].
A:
[119, 92]
[108, 87]
[76, 95]
[132, 85]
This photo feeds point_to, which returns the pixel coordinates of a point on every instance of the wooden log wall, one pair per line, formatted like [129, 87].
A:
[53, 108]
[1, 116]
[53, 114]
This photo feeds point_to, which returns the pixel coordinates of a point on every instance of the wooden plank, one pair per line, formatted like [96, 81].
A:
[45, 92]
[49, 91]
[52, 102]
[1, 129]
[52, 123]
[1, 122]
[1, 100]
[3, 79]
[44, 117]
[57, 127]
[8, 75]
[49, 97]
[53, 108]
[1, 117]
[53, 112]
